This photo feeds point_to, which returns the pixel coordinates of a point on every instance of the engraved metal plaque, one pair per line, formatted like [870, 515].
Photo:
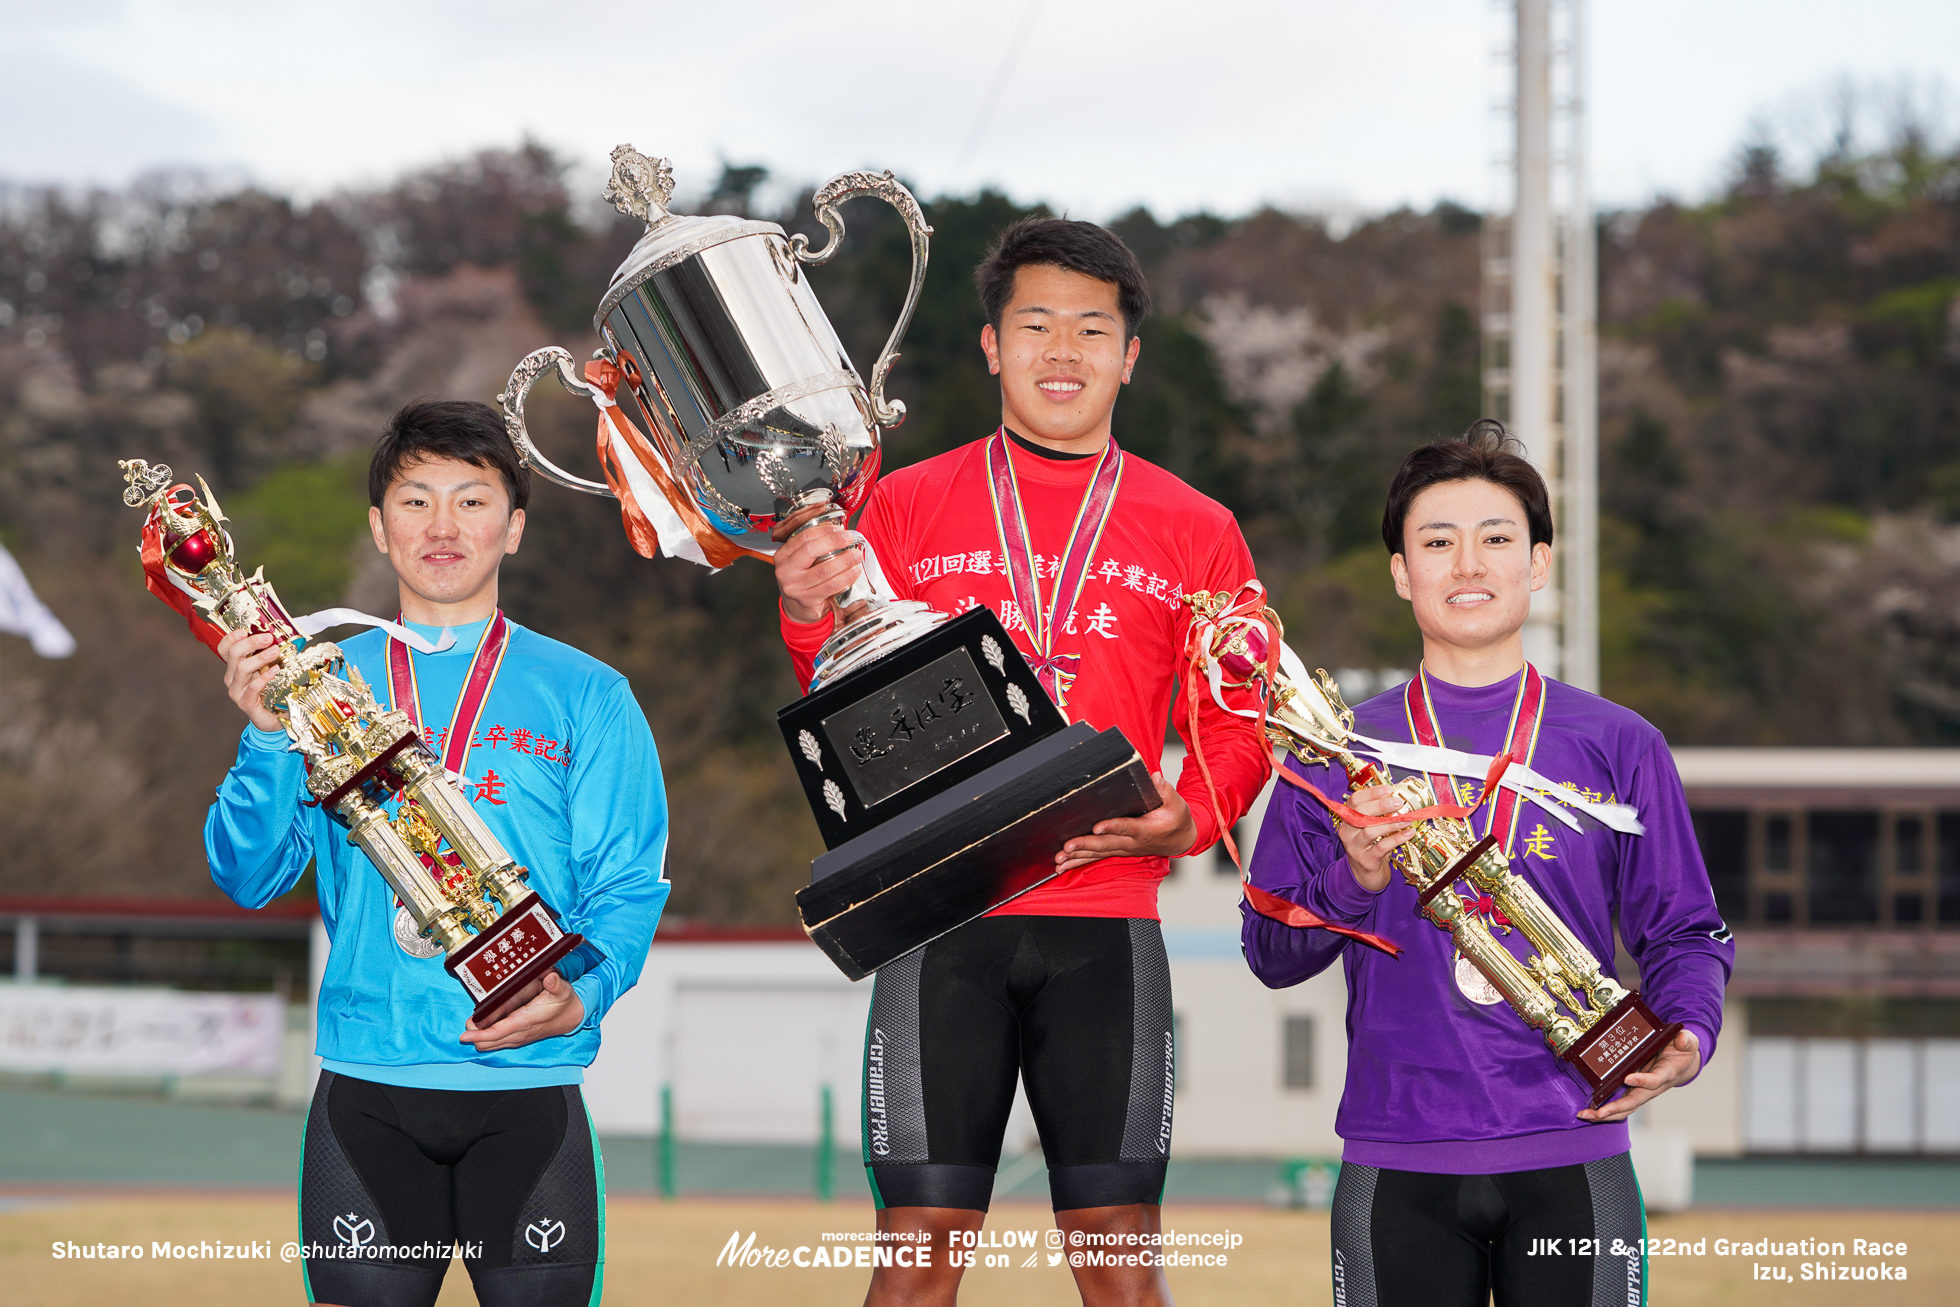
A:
[914, 727]
[1622, 1037]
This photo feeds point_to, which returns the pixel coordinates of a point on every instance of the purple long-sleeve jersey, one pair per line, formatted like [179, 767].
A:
[1438, 1082]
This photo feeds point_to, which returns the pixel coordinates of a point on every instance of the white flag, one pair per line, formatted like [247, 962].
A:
[23, 613]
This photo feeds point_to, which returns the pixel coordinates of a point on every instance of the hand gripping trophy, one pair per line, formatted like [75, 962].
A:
[1601, 1030]
[461, 894]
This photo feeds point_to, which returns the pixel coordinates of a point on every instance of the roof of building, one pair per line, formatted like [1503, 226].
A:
[1807, 769]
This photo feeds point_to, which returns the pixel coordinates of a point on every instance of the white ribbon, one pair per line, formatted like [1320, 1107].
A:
[314, 623]
[1528, 784]
[676, 541]
[874, 571]
[1517, 777]
[328, 618]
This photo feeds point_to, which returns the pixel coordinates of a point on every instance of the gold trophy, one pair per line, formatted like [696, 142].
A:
[443, 863]
[1600, 1029]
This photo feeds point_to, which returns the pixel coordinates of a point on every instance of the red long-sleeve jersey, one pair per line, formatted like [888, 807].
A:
[932, 528]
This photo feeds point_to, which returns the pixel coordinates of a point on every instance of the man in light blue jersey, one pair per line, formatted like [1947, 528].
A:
[428, 1130]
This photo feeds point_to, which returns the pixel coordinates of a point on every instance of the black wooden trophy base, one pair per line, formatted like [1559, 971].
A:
[969, 849]
[944, 781]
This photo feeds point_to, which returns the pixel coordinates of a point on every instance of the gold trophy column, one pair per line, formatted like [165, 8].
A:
[1438, 846]
[370, 829]
[1519, 901]
[1513, 980]
[449, 812]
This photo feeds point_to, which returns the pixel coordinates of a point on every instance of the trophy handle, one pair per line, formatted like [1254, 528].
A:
[888, 188]
[524, 376]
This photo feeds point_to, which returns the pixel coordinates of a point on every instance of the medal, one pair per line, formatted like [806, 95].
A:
[1055, 671]
[1475, 985]
[412, 941]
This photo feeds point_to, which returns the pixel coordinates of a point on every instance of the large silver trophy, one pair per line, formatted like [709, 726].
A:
[941, 775]
[738, 385]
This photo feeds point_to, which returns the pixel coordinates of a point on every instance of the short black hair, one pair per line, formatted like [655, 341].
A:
[1485, 452]
[1069, 244]
[462, 429]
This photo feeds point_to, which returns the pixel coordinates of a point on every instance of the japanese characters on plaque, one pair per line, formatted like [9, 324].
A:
[916, 726]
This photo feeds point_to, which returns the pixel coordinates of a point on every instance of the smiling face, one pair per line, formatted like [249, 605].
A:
[1468, 568]
[446, 526]
[1060, 356]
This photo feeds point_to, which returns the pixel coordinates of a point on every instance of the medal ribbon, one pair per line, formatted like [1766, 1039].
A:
[407, 695]
[1056, 672]
[1527, 716]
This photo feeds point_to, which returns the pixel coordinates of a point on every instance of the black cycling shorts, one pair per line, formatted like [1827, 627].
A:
[392, 1179]
[1079, 1007]
[1565, 1236]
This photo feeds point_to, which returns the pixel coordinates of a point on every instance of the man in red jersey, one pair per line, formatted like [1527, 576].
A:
[1085, 552]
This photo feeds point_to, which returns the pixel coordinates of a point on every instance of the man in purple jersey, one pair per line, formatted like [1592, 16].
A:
[1469, 1149]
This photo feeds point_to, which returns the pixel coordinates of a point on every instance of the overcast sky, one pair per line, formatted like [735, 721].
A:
[1092, 105]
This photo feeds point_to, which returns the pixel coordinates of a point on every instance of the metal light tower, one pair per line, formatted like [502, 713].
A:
[1580, 333]
[1540, 366]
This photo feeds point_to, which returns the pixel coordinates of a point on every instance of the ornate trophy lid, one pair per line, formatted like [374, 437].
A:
[641, 187]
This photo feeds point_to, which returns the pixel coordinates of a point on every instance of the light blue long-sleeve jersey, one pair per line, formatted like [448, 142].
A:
[561, 767]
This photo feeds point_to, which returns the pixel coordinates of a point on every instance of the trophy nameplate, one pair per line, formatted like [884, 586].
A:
[948, 704]
[1620, 1043]
[524, 943]
[914, 728]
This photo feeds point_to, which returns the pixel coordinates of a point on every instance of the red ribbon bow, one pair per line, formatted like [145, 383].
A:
[1485, 906]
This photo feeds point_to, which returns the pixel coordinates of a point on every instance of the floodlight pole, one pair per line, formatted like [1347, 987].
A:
[1540, 303]
[1579, 531]
[1534, 273]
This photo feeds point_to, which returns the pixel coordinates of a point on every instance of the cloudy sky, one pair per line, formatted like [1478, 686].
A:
[1093, 105]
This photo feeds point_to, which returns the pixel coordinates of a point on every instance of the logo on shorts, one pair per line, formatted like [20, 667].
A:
[544, 1234]
[1170, 1092]
[874, 1094]
[355, 1230]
